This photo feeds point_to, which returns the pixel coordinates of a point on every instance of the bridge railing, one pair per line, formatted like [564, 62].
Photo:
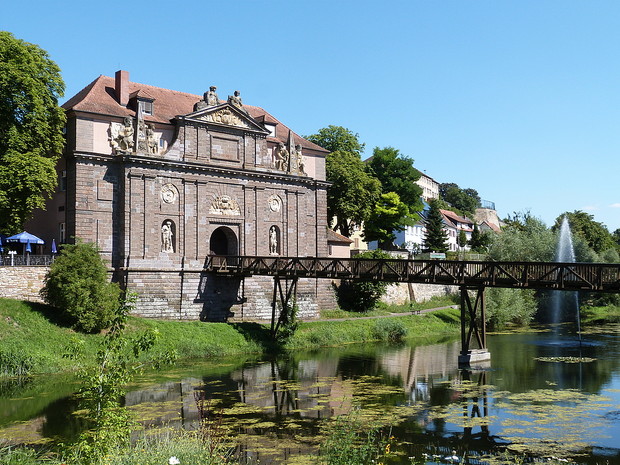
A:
[535, 275]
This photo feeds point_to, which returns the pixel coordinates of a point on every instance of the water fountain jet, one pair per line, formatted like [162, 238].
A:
[565, 253]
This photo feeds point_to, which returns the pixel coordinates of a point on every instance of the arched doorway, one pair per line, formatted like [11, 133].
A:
[223, 241]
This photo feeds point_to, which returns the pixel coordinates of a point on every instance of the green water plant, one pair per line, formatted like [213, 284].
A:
[390, 330]
[103, 385]
[351, 441]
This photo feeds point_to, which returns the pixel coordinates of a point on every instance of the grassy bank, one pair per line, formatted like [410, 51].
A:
[34, 340]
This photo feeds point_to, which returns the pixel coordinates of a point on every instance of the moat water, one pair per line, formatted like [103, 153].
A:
[541, 395]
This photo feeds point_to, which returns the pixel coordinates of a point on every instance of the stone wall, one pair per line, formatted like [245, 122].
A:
[399, 293]
[22, 282]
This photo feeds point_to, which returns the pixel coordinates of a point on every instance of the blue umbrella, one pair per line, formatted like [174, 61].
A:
[54, 250]
[23, 238]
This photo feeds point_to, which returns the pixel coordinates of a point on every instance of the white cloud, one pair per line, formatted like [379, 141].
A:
[590, 208]
[615, 205]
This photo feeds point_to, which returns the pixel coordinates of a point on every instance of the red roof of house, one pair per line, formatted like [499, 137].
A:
[100, 97]
[333, 236]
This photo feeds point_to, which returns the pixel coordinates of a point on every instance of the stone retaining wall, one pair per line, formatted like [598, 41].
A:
[22, 282]
[201, 296]
[399, 293]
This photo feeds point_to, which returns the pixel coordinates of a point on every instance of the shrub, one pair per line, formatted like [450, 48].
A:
[78, 285]
[388, 329]
[362, 296]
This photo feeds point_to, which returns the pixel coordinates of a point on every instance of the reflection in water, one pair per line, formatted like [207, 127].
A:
[276, 408]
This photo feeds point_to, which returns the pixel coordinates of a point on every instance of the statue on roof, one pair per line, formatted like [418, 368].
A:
[211, 97]
[235, 100]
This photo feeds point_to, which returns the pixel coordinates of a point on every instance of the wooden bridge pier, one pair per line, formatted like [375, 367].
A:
[473, 328]
[286, 297]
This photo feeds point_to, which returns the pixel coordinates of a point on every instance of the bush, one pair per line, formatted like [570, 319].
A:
[509, 306]
[388, 329]
[362, 296]
[78, 285]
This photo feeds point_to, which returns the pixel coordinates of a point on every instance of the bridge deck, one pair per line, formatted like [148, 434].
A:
[524, 275]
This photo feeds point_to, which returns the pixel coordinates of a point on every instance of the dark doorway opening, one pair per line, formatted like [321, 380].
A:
[223, 242]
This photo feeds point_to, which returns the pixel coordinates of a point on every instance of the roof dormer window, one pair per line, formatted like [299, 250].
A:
[146, 106]
[271, 128]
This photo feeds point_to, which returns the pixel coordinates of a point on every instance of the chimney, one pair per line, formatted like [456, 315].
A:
[122, 87]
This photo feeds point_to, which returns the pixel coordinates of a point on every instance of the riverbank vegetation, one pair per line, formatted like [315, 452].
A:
[32, 340]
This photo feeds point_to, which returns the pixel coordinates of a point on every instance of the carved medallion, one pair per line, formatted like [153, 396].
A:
[169, 193]
[225, 205]
[275, 203]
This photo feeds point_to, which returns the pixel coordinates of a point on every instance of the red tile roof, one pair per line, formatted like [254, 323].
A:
[99, 97]
[333, 236]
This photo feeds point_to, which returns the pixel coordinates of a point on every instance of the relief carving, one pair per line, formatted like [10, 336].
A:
[169, 193]
[225, 116]
[126, 138]
[225, 205]
[275, 204]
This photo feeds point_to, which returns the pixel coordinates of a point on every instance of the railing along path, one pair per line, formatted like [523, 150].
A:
[527, 275]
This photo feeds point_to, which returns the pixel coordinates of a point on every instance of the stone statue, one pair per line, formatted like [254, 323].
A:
[166, 237]
[211, 97]
[151, 141]
[281, 158]
[273, 241]
[122, 136]
[236, 101]
[300, 160]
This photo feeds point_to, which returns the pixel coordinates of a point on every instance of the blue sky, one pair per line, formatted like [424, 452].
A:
[517, 99]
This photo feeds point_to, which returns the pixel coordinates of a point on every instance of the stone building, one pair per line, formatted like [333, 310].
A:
[160, 179]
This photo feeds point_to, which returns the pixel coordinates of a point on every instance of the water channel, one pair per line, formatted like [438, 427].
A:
[541, 394]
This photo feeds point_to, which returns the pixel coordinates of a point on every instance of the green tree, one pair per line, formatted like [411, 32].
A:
[479, 241]
[397, 174]
[362, 296]
[616, 237]
[31, 124]
[353, 194]
[388, 216]
[78, 285]
[525, 238]
[436, 238]
[461, 240]
[582, 224]
[337, 138]
[464, 200]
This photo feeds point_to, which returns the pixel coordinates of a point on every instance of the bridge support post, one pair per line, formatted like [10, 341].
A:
[473, 328]
[286, 297]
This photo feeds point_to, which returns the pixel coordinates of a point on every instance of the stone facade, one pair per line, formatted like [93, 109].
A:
[159, 180]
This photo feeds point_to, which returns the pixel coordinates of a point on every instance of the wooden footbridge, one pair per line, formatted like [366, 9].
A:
[468, 275]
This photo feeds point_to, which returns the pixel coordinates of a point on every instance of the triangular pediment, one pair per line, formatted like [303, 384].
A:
[227, 115]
